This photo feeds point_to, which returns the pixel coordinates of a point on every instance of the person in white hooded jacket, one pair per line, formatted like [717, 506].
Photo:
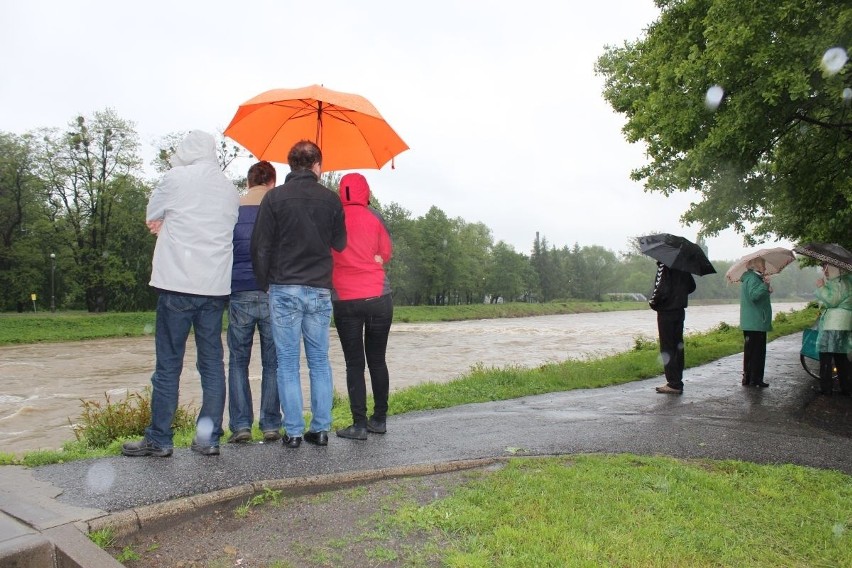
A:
[192, 211]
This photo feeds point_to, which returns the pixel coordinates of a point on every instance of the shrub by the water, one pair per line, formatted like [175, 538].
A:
[102, 422]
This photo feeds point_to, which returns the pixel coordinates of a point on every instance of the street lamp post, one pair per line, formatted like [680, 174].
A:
[52, 279]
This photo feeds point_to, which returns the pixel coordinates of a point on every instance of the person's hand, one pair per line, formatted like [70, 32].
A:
[155, 226]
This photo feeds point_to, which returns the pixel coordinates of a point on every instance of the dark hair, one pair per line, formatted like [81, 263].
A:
[303, 155]
[261, 173]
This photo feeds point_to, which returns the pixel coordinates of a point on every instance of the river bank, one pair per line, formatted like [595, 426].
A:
[37, 414]
[47, 327]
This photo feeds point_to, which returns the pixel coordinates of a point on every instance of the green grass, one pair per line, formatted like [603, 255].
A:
[627, 510]
[74, 326]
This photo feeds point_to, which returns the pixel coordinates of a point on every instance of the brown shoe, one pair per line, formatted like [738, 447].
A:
[271, 435]
[667, 389]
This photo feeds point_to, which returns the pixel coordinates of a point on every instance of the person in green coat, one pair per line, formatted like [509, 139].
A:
[834, 339]
[755, 321]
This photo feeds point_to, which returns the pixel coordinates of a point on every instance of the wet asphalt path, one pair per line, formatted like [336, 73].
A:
[715, 418]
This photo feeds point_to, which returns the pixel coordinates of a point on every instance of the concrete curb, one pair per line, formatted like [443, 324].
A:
[125, 523]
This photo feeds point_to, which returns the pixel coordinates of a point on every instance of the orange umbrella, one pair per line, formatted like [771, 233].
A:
[348, 129]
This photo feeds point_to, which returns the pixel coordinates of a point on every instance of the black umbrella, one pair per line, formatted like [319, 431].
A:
[832, 253]
[677, 253]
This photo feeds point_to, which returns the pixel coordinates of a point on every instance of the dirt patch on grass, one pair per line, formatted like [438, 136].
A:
[345, 527]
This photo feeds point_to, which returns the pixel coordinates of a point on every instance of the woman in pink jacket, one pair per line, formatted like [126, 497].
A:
[363, 307]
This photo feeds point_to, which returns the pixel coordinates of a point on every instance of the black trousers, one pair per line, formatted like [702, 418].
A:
[363, 327]
[670, 328]
[826, 370]
[754, 356]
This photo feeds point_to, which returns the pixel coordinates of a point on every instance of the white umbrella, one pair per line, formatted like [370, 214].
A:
[775, 258]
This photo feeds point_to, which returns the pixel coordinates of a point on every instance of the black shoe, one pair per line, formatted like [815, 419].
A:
[376, 426]
[293, 442]
[271, 435]
[203, 449]
[240, 436]
[317, 438]
[761, 384]
[353, 433]
[144, 448]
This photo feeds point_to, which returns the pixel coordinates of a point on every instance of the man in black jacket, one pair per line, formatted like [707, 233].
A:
[297, 225]
[669, 299]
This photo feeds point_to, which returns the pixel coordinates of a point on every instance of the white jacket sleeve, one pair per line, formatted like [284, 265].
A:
[160, 198]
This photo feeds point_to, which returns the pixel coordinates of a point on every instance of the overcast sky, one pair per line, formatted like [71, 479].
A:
[497, 100]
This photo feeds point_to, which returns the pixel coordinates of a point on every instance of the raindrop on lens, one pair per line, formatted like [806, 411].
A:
[833, 60]
[100, 477]
[713, 98]
[204, 429]
[148, 329]
[847, 95]
[664, 358]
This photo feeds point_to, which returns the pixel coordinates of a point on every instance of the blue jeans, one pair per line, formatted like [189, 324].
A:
[302, 313]
[249, 310]
[176, 315]
[363, 327]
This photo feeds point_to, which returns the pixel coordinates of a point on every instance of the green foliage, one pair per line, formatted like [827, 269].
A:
[772, 158]
[272, 496]
[104, 538]
[127, 554]
[642, 343]
[628, 510]
[76, 192]
[73, 326]
[101, 424]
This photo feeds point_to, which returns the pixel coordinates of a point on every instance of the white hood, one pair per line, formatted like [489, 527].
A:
[197, 146]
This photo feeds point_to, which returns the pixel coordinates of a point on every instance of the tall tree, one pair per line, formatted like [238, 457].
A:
[404, 266]
[87, 169]
[508, 275]
[475, 244]
[437, 237]
[24, 246]
[732, 101]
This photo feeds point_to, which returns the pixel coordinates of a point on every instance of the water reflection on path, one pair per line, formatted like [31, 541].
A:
[42, 384]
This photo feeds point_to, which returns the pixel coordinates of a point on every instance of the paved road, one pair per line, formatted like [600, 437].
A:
[715, 418]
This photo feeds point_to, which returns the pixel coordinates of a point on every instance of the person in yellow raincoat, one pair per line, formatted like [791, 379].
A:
[834, 338]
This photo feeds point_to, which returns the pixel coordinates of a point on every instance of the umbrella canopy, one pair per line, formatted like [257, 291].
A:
[348, 129]
[775, 260]
[831, 253]
[677, 253]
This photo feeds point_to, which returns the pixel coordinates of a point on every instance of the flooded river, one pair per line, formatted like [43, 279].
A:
[42, 384]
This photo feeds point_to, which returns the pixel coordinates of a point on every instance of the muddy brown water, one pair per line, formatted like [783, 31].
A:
[42, 384]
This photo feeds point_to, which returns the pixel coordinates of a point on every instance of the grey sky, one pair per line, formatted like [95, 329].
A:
[497, 100]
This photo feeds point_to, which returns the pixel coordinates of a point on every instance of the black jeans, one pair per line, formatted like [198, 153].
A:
[826, 370]
[754, 356]
[670, 328]
[363, 327]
